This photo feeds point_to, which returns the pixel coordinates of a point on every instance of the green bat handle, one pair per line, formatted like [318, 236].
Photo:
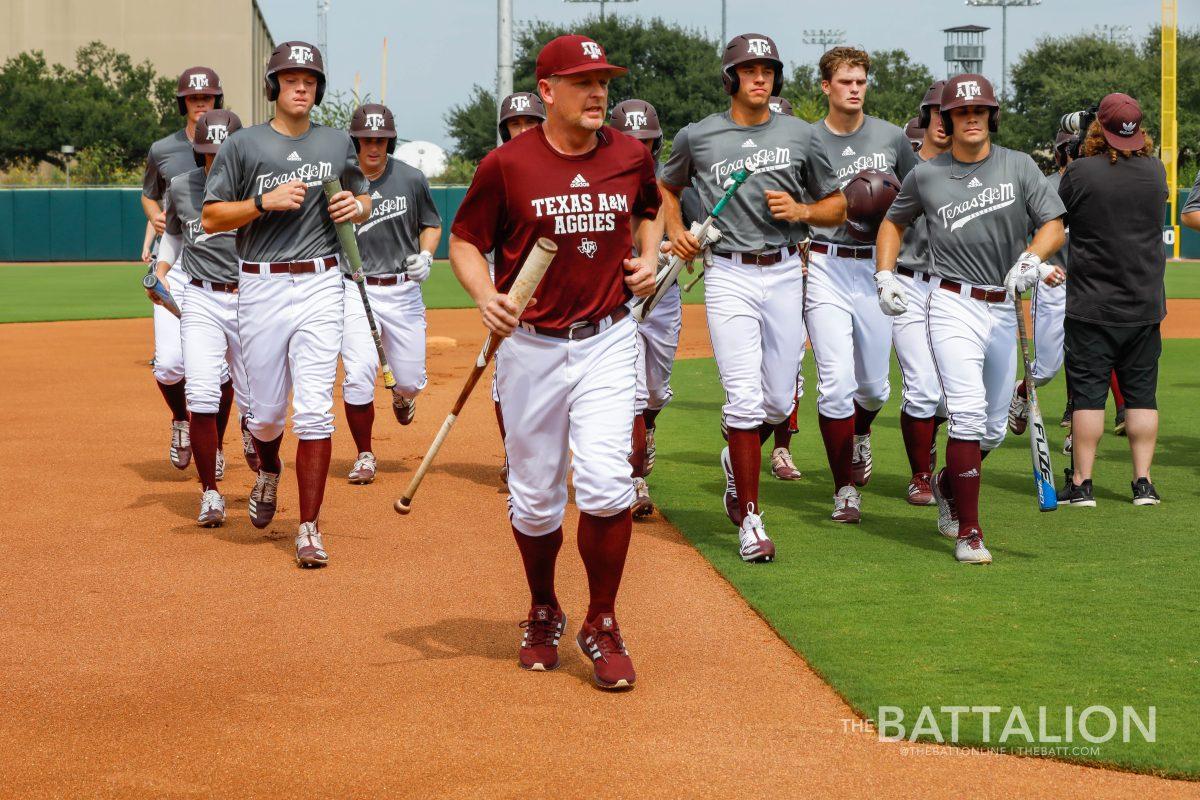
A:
[345, 231]
[738, 178]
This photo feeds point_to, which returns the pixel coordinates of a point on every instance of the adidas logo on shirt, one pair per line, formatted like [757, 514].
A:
[579, 182]
[749, 143]
[849, 151]
[975, 183]
[375, 195]
[294, 156]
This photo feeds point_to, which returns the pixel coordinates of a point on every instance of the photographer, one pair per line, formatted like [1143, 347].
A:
[1116, 201]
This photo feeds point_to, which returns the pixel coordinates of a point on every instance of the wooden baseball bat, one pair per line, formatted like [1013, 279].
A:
[1039, 446]
[535, 266]
[345, 233]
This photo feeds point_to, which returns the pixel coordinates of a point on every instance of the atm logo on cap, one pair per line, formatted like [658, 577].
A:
[636, 120]
[217, 133]
[301, 54]
[759, 47]
[519, 103]
[968, 90]
[197, 80]
[374, 121]
[592, 51]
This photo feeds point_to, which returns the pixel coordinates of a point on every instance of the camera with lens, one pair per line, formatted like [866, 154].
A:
[1077, 123]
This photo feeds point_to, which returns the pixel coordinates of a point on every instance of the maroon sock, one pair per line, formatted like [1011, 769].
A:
[538, 554]
[783, 435]
[204, 448]
[312, 466]
[176, 396]
[1023, 390]
[268, 454]
[603, 543]
[223, 409]
[919, 436]
[637, 458]
[963, 470]
[651, 416]
[863, 419]
[360, 419]
[745, 452]
[839, 447]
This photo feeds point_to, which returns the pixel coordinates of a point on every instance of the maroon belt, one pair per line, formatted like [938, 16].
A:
[381, 280]
[293, 267]
[580, 330]
[994, 296]
[216, 286]
[762, 259]
[843, 250]
[910, 273]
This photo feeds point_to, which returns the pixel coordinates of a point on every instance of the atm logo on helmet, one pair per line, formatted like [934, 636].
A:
[759, 47]
[968, 90]
[217, 133]
[519, 103]
[592, 51]
[636, 120]
[197, 80]
[374, 121]
[301, 54]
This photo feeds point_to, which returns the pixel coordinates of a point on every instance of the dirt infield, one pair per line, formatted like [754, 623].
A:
[143, 656]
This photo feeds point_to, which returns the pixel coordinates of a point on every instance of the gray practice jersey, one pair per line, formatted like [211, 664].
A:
[1193, 200]
[914, 247]
[1060, 258]
[979, 215]
[708, 152]
[401, 207]
[169, 156]
[875, 145]
[206, 256]
[255, 160]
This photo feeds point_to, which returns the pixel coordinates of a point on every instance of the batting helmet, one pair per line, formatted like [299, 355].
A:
[969, 90]
[781, 106]
[519, 104]
[915, 133]
[869, 195]
[743, 49]
[933, 97]
[294, 55]
[638, 119]
[198, 80]
[212, 130]
[373, 121]
[1062, 143]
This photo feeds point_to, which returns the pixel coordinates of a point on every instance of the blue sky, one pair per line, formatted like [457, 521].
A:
[437, 49]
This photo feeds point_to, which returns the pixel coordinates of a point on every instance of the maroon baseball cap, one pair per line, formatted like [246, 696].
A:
[1120, 119]
[572, 54]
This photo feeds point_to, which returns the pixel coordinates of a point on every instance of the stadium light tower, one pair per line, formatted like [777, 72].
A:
[1116, 34]
[601, 2]
[1004, 5]
[323, 30]
[823, 37]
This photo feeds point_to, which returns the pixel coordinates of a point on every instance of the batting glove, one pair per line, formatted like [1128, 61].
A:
[892, 299]
[417, 267]
[1028, 270]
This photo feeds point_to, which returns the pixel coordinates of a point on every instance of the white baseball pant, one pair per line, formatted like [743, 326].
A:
[565, 399]
[291, 332]
[921, 395]
[757, 336]
[1048, 310]
[211, 349]
[849, 333]
[168, 341]
[658, 340]
[400, 315]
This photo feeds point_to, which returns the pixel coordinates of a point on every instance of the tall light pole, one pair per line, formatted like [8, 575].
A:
[323, 30]
[504, 53]
[1004, 5]
[601, 2]
[721, 44]
[823, 37]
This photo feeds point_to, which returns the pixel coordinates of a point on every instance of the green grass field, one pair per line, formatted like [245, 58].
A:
[1082, 607]
[38, 293]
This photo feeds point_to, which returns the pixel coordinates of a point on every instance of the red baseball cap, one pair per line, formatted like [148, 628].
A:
[1120, 119]
[572, 54]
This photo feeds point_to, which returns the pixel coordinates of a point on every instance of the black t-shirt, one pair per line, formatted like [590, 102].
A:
[1116, 257]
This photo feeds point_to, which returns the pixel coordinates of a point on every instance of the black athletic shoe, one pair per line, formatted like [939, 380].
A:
[1119, 423]
[1144, 493]
[1077, 495]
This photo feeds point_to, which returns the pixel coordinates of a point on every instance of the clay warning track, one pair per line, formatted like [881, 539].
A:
[145, 657]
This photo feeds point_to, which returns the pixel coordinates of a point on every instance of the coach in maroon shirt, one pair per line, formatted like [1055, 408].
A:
[566, 373]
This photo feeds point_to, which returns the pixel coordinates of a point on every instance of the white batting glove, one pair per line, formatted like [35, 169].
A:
[892, 299]
[1028, 270]
[710, 238]
[417, 267]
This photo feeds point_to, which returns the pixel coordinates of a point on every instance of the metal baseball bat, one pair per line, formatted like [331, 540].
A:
[692, 283]
[1039, 445]
[535, 266]
[345, 234]
[150, 281]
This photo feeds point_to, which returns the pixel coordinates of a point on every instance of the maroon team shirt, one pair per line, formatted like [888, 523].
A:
[526, 189]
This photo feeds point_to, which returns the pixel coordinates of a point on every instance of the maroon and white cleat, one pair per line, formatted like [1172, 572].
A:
[539, 645]
[920, 493]
[600, 640]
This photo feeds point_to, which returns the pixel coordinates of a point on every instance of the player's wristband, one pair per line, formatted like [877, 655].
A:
[259, 204]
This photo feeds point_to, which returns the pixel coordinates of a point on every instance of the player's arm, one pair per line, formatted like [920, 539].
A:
[471, 269]
[828, 212]
[345, 206]
[152, 192]
[647, 236]
[683, 244]
[1049, 239]
[887, 245]
[1191, 219]
[429, 238]
[230, 215]
[148, 241]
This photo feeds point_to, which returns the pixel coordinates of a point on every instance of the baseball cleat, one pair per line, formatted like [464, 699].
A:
[969, 548]
[847, 506]
[363, 471]
[651, 450]
[860, 460]
[220, 465]
[504, 471]
[754, 546]
[261, 506]
[1067, 445]
[405, 409]
[1077, 494]
[733, 509]
[642, 506]
[1018, 411]
[181, 444]
[782, 466]
[947, 511]
[539, 645]
[920, 493]
[1119, 423]
[310, 550]
[248, 450]
[1144, 493]
[212, 510]
[602, 643]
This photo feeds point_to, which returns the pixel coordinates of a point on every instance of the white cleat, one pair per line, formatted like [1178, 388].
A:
[754, 544]
[363, 471]
[212, 510]
[1018, 412]
[860, 460]
[220, 465]
[969, 549]
[947, 511]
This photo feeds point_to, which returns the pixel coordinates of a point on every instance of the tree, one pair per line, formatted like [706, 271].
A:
[337, 108]
[473, 125]
[895, 88]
